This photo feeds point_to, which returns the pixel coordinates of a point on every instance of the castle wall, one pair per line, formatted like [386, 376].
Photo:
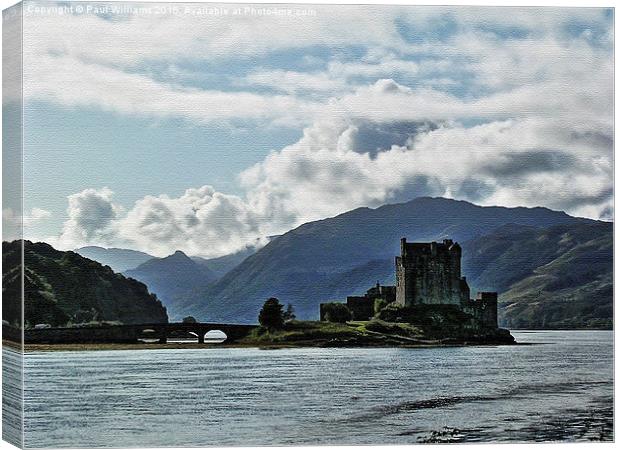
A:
[487, 302]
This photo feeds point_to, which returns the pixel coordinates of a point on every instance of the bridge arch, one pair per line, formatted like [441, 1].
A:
[215, 337]
[184, 335]
[148, 335]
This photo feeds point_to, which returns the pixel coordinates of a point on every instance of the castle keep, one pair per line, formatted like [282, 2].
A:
[428, 273]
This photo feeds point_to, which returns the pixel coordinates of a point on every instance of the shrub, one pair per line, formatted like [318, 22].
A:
[289, 314]
[337, 312]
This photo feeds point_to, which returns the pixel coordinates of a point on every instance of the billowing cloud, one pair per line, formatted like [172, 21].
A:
[201, 221]
[91, 215]
[337, 167]
[528, 162]
[498, 106]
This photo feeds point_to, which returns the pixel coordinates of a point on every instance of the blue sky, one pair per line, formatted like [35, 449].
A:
[207, 133]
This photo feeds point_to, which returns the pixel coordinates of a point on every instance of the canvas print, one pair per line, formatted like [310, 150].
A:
[296, 224]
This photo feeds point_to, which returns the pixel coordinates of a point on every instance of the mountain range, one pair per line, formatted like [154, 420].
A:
[552, 270]
[344, 255]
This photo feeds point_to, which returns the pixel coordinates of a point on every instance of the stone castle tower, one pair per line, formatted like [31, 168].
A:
[430, 273]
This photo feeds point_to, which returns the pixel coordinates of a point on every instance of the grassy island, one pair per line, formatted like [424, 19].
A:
[373, 333]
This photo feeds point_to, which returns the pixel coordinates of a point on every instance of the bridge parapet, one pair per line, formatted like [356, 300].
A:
[131, 333]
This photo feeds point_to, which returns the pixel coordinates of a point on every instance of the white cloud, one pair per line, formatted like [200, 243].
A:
[201, 221]
[71, 82]
[293, 82]
[35, 215]
[528, 162]
[96, 61]
[456, 109]
[91, 215]
[336, 78]
[126, 40]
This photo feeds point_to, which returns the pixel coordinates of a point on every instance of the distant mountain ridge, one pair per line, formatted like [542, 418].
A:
[61, 288]
[172, 276]
[221, 265]
[344, 255]
[119, 259]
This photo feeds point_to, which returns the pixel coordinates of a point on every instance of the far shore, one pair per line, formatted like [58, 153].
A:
[29, 348]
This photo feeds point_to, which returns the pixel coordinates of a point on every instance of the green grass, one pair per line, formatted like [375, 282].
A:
[320, 332]
[391, 328]
[296, 331]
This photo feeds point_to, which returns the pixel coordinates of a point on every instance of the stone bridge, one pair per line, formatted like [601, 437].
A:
[132, 333]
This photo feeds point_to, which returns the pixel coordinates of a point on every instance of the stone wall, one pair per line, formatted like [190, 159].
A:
[483, 311]
[361, 308]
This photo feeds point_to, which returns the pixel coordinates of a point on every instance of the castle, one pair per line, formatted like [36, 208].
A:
[428, 273]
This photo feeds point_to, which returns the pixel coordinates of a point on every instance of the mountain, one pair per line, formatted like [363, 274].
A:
[119, 259]
[344, 255]
[559, 277]
[64, 287]
[222, 265]
[172, 277]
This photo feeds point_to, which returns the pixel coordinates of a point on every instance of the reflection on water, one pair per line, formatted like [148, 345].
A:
[560, 389]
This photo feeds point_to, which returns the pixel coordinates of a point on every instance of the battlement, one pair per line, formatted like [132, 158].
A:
[410, 250]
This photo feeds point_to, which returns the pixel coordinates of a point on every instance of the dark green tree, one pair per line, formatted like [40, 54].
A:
[271, 315]
[289, 314]
[337, 312]
[380, 303]
[189, 319]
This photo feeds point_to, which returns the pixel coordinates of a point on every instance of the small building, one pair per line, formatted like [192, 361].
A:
[362, 307]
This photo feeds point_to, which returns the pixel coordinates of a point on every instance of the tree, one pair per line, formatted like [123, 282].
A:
[189, 319]
[289, 314]
[380, 303]
[271, 315]
[337, 312]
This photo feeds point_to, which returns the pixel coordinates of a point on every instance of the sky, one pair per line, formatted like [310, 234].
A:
[206, 128]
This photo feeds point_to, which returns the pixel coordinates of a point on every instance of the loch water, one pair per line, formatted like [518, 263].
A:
[557, 388]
